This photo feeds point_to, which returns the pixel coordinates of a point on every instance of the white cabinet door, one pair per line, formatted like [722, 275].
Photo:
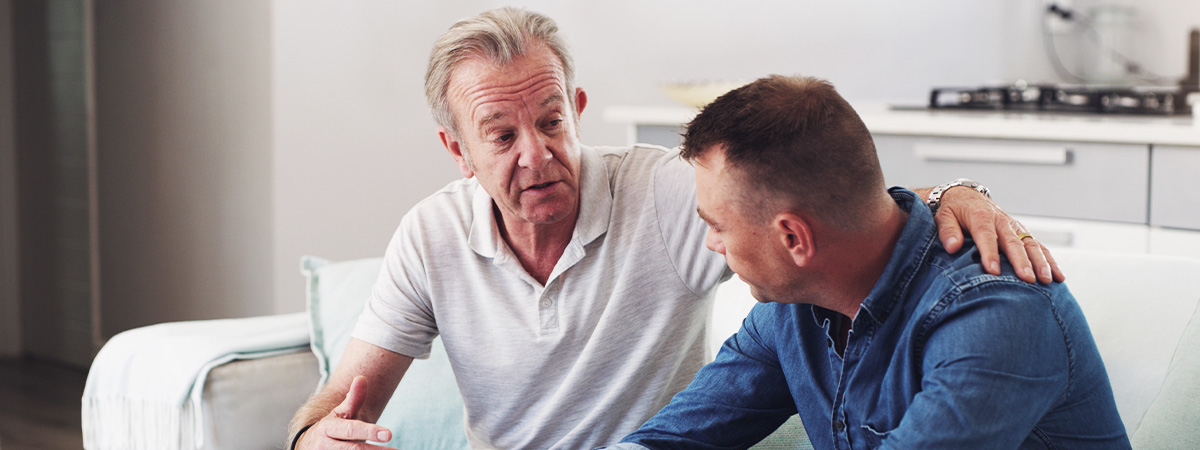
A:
[1174, 193]
[1044, 178]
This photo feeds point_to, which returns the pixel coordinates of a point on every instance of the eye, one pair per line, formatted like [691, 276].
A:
[553, 124]
[503, 138]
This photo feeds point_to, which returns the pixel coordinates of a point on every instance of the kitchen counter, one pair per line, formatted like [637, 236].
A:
[1073, 127]
[1126, 179]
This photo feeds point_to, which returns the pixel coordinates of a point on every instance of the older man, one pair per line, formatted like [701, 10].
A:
[876, 335]
[569, 284]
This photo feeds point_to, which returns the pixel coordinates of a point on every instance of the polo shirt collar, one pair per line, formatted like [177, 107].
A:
[595, 209]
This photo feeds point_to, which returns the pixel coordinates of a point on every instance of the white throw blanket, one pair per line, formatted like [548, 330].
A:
[144, 388]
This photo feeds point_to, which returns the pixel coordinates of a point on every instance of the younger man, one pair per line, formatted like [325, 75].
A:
[869, 329]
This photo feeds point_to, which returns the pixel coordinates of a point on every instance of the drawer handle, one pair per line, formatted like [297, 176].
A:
[1052, 156]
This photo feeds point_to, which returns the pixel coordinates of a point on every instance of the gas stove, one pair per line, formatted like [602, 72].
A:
[1064, 98]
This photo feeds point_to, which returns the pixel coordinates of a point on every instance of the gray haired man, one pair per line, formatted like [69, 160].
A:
[570, 284]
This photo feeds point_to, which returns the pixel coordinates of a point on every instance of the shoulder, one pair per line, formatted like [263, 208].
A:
[450, 209]
[962, 276]
[966, 309]
[638, 158]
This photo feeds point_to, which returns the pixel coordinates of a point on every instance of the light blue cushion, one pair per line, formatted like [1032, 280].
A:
[789, 436]
[426, 412]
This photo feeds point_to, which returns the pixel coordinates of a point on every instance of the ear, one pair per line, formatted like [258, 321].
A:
[796, 235]
[580, 101]
[456, 151]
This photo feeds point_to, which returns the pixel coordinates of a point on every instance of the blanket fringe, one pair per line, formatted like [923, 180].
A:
[118, 423]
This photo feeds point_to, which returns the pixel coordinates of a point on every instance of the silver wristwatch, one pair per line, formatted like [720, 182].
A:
[935, 196]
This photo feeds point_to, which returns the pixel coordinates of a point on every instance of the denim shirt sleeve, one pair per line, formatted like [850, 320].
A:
[994, 360]
[733, 402]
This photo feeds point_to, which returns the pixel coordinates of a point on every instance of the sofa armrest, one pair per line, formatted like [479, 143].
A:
[247, 403]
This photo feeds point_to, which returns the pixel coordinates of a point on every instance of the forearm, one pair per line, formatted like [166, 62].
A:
[922, 192]
[317, 406]
[733, 400]
[373, 370]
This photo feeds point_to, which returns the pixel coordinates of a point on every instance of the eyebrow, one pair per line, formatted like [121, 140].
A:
[705, 217]
[490, 118]
[556, 98]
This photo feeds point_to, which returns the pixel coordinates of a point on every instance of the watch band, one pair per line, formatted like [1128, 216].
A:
[935, 196]
[296, 439]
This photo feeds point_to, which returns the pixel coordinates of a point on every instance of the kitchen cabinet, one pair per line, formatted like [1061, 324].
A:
[1125, 169]
[1174, 198]
[1059, 179]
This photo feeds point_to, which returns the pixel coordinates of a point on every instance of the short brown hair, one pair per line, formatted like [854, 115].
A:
[795, 140]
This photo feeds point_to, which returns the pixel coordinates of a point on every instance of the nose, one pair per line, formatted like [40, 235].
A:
[534, 152]
[713, 241]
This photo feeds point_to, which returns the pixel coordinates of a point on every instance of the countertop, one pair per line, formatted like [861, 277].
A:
[1074, 127]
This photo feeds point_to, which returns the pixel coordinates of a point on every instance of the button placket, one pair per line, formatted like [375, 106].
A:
[547, 309]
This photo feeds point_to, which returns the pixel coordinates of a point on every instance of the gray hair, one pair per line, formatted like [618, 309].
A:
[500, 36]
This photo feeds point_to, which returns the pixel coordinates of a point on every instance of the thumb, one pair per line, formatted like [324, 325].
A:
[349, 407]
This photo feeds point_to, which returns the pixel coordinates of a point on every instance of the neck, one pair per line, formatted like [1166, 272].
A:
[537, 246]
[855, 260]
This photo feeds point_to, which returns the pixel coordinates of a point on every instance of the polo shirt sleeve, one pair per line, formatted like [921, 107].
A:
[682, 229]
[995, 361]
[399, 316]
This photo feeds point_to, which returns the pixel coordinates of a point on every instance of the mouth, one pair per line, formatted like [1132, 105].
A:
[540, 186]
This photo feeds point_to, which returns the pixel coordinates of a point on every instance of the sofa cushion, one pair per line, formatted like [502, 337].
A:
[427, 410]
[1138, 308]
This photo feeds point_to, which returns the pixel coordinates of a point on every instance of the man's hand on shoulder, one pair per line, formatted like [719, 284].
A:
[993, 231]
[342, 426]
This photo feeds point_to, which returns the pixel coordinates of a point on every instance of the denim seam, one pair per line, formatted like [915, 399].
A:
[931, 317]
[979, 282]
[1062, 328]
[1041, 435]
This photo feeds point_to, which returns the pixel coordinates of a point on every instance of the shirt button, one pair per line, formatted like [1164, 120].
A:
[546, 303]
[839, 426]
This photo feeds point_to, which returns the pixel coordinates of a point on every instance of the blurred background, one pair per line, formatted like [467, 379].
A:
[172, 160]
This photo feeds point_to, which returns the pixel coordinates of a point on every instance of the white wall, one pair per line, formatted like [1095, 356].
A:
[10, 313]
[355, 147]
[184, 147]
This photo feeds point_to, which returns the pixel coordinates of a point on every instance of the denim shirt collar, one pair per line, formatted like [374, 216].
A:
[916, 239]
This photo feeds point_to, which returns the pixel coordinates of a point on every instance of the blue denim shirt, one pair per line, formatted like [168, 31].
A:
[941, 355]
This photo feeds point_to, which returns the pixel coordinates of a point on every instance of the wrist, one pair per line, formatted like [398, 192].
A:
[296, 438]
[937, 193]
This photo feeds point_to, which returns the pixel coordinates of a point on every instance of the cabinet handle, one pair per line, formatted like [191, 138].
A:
[1052, 156]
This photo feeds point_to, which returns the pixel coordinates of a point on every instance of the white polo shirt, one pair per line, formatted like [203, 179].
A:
[616, 331]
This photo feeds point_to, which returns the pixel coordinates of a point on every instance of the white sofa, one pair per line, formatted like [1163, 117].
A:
[1142, 310]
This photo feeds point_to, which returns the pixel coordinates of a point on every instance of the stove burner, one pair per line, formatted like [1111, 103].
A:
[1098, 100]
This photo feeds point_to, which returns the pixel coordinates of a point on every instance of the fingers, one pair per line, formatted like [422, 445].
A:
[1039, 258]
[342, 429]
[349, 407]
[1056, 272]
[335, 433]
[949, 231]
[1024, 262]
[993, 232]
[348, 430]
[982, 226]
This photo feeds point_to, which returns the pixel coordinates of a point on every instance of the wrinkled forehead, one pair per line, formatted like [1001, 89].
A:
[477, 83]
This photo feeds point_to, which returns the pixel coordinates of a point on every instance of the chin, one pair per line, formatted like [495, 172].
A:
[547, 214]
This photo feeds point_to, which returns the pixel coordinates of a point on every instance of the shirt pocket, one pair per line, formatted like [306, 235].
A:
[873, 437]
